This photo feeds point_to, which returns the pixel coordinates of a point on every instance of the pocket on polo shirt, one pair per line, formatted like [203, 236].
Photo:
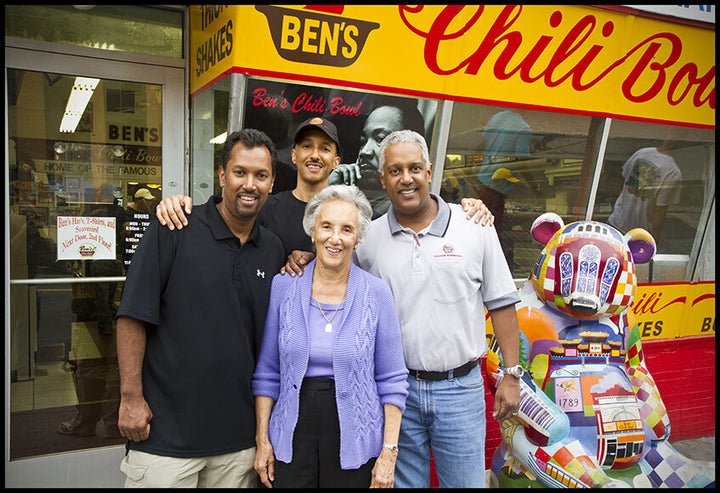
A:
[450, 280]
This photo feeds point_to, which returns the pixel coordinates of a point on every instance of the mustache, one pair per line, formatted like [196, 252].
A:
[247, 192]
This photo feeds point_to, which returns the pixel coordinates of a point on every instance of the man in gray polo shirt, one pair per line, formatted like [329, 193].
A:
[444, 271]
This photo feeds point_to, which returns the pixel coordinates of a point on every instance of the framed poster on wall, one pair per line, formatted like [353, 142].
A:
[362, 119]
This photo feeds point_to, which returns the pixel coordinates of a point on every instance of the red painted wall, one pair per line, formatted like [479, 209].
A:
[684, 372]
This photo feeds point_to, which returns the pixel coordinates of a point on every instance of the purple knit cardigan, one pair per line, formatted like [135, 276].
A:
[368, 362]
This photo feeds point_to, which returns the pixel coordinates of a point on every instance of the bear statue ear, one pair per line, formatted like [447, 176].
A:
[641, 244]
[544, 227]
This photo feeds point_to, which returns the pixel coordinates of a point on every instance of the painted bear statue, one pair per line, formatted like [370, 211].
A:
[590, 413]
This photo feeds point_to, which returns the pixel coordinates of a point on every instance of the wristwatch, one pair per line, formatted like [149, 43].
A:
[392, 448]
[516, 371]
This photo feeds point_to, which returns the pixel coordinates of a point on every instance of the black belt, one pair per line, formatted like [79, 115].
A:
[460, 371]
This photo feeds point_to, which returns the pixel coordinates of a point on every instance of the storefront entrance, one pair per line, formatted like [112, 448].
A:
[92, 145]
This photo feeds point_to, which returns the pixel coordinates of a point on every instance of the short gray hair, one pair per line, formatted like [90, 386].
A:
[347, 193]
[403, 136]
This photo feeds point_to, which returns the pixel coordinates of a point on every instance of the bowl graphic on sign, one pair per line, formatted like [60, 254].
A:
[87, 250]
[316, 38]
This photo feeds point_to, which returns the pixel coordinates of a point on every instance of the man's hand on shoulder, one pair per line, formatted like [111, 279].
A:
[171, 211]
[478, 209]
[296, 263]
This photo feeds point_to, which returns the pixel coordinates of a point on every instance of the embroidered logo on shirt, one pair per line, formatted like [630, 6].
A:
[448, 252]
[260, 273]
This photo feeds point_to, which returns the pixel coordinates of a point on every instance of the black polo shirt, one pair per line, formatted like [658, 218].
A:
[203, 297]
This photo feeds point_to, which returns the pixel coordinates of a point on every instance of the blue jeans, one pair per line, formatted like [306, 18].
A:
[449, 417]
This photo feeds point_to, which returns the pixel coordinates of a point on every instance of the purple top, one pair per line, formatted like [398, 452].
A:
[321, 340]
[369, 369]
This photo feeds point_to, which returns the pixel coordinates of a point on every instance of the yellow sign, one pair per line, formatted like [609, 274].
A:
[668, 311]
[576, 58]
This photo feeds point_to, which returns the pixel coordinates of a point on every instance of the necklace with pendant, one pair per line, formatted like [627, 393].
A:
[328, 325]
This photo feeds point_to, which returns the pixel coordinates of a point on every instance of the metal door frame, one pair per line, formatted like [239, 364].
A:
[99, 467]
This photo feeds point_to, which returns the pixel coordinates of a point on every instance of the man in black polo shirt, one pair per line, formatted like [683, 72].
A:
[189, 329]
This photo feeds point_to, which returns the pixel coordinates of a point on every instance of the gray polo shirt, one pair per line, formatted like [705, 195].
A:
[442, 280]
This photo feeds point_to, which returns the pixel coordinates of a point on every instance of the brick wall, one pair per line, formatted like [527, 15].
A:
[684, 372]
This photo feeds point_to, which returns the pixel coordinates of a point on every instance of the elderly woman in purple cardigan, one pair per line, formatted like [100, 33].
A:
[330, 382]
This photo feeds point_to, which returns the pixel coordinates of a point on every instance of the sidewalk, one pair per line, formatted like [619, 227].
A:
[697, 449]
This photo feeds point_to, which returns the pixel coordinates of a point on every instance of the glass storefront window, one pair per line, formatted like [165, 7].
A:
[659, 178]
[80, 194]
[521, 163]
[130, 28]
[208, 130]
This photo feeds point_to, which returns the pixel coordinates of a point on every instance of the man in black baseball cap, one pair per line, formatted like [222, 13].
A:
[316, 154]
[320, 123]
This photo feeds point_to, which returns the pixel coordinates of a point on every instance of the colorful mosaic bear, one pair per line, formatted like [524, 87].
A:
[590, 413]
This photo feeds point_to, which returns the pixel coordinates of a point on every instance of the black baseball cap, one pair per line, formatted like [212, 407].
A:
[322, 124]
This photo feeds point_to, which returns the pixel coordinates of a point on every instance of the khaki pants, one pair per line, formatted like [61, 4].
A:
[234, 470]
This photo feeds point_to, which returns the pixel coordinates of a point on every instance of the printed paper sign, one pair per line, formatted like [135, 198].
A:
[86, 238]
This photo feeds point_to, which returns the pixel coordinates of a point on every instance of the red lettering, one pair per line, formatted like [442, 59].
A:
[538, 48]
[688, 74]
[495, 35]
[258, 95]
[650, 303]
[566, 55]
[260, 98]
[338, 108]
[308, 102]
[575, 38]
[284, 103]
[703, 297]
[437, 33]
[649, 63]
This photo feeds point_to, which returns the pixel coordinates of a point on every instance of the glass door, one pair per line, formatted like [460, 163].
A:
[92, 145]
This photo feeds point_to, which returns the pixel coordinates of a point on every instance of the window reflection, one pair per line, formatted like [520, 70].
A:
[142, 29]
[521, 163]
[659, 178]
[72, 235]
[650, 167]
[209, 127]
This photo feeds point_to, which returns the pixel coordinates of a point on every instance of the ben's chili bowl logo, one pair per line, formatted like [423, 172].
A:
[314, 37]
[87, 250]
[448, 253]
